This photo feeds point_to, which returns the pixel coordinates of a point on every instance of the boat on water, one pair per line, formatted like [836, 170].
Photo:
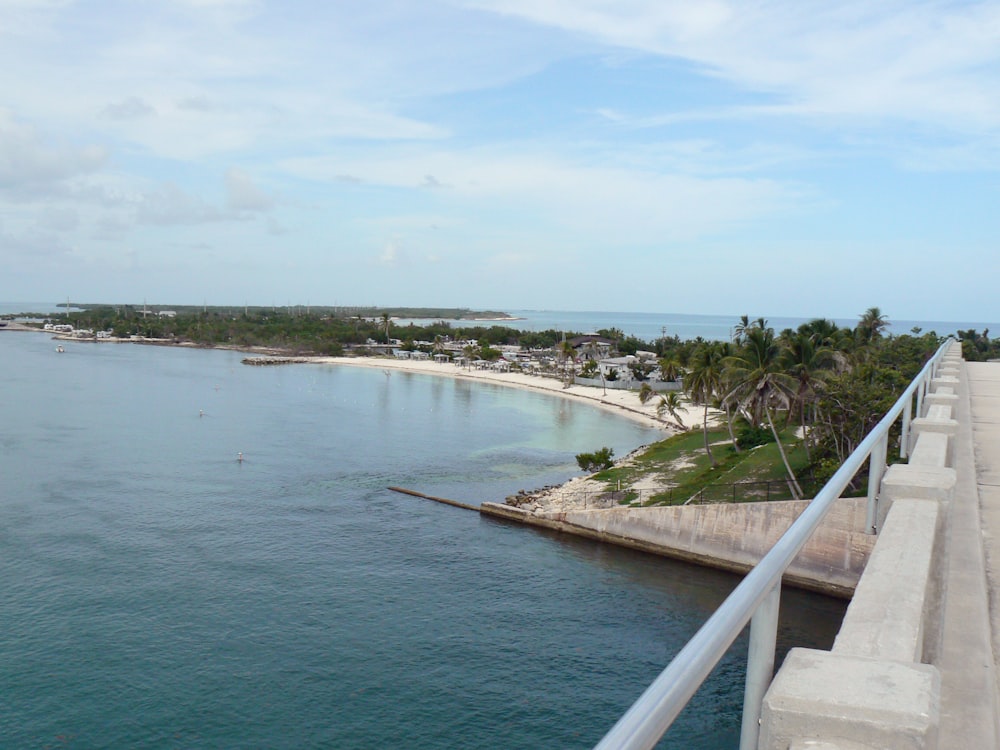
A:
[60, 348]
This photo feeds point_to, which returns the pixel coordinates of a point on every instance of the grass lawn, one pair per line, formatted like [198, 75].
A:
[681, 468]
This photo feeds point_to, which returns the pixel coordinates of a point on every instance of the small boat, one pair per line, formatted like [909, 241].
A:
[60, 349]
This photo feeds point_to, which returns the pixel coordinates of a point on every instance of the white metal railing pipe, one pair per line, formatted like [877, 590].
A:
[651, 715]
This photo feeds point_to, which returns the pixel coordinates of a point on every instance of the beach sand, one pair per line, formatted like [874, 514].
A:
[624, 403]
[578, 492]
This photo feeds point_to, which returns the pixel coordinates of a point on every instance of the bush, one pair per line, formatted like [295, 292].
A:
[750, 436]
[596, 461]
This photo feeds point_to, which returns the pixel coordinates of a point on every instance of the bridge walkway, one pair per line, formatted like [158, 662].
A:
[968, 660]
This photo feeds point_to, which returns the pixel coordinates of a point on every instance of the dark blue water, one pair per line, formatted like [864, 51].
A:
[157, 593]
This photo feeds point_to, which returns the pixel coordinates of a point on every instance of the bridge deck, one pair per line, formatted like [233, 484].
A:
[970, 639]
[984, 396]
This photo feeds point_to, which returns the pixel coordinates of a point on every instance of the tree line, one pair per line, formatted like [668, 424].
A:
[833, 383]
[292, 330]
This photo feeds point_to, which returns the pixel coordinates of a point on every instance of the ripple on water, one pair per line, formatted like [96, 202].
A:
[157, 593]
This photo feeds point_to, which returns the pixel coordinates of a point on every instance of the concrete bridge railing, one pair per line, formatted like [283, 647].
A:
[874, 689]
[874, 676]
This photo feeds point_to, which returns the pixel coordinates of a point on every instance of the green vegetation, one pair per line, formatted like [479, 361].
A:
[795, 403]
[596, 461]
[327, 331]
[415, 313]
[978, 347]
[680, 466]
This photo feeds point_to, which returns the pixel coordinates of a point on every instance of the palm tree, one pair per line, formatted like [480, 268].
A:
[468, 351]
[703, 382]
[758, 382]
[438, 344]
[746, 325]
[739, 331]
[725, 349]
[386, 321]
[670, 404]
[809, 365]
[873, 321]
[568, 354]
[822, 331]
[669, 368]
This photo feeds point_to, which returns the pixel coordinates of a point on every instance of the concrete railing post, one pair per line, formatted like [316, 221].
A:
[904, 438]
[876, 468]
[760, 665]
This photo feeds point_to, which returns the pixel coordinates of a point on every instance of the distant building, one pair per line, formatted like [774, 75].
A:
[618, 365]
[591, 346]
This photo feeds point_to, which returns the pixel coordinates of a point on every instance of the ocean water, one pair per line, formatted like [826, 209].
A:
[644, 326]
[158, 593]
[651, 326]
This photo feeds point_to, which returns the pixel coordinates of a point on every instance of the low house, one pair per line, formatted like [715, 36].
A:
[620, 366]
[591, 346]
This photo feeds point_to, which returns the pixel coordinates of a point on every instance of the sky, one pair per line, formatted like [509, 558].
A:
[793, 158]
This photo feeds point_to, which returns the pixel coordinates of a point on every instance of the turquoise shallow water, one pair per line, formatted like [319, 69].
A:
[160, 594]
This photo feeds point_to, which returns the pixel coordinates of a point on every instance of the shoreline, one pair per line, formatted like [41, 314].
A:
[559, 498]
[570, 495]
[623, 403]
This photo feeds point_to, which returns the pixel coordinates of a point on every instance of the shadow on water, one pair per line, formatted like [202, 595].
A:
[689, 594]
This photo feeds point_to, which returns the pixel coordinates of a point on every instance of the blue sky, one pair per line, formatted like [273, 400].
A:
[772, 158]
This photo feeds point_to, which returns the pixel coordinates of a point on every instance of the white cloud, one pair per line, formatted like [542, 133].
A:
[60, 219]
[129, 108]
[602, 203]
[923, 62]
[169, 205]
[31, 163]
[243, 193]
[35, 246]
[504, 138]
[392, 254]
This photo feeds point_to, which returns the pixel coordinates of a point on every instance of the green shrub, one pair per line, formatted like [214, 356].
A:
[596, 461]
[750, 436]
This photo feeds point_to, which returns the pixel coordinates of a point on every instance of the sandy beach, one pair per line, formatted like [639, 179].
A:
[621, 402]
[578, 492]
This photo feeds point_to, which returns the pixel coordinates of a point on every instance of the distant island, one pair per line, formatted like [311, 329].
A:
[410, 313]
[306, 330]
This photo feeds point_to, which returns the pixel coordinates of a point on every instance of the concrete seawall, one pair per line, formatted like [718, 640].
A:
[729, 536]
